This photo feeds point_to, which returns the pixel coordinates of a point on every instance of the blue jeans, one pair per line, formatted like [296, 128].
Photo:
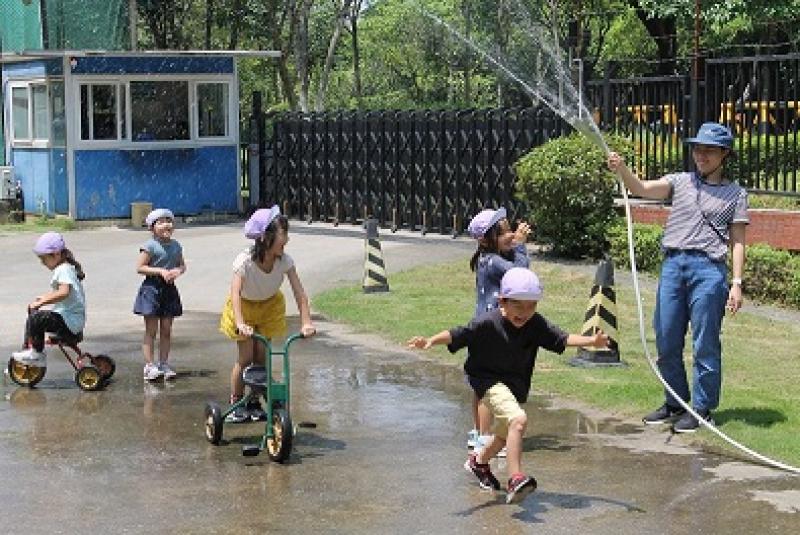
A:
[692, 288]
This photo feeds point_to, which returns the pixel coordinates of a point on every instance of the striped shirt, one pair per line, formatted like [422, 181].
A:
[702, 214]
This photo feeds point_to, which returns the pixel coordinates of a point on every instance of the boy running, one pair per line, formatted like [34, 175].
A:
[502, 347]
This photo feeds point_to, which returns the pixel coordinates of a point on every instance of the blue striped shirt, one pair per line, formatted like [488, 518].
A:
[697, 206]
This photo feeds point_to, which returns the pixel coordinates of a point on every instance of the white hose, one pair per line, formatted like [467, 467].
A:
[764, 459]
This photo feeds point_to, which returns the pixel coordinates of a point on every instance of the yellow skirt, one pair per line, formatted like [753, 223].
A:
[267, 318]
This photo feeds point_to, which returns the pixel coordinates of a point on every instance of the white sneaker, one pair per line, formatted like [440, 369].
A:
[167, 370]
[473, 439]
[152, 373]
[30, 357]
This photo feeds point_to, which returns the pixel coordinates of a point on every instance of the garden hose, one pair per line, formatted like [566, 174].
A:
[763, 458]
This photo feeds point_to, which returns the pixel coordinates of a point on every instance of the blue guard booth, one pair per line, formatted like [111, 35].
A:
[88, 134]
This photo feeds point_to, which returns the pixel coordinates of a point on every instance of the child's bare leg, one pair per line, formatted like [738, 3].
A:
[245, 348]
[487, 454]
[150, 326]
[516, 430]
[484, 419]
[476, 417]
[164, 338]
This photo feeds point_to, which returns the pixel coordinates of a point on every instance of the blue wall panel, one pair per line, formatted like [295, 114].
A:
[32, 168]
[184, 180]
[58, 177]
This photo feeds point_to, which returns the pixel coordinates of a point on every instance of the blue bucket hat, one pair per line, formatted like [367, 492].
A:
[713, 134]
[485, 220]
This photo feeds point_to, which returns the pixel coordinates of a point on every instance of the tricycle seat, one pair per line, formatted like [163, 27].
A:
[66, 340]
[255, 376]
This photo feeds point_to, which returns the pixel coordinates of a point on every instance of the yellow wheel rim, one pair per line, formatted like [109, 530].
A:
[274, 443]
[89, 379]
[24, 374]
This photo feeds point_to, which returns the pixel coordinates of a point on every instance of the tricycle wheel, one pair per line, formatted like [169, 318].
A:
[105, 365]
[25, 375]
[89, 378]
[213, 423]
[280, 445]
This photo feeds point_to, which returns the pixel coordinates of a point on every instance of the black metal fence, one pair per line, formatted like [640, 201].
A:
[432, 170]
[417, 170]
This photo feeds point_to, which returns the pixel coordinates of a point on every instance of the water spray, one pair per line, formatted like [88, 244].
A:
[583, 123]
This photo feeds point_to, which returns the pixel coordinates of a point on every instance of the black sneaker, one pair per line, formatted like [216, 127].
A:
[238, 416]
[483, 472]
[257, 414]
[689, 424]
[663, 414]
[519, 486]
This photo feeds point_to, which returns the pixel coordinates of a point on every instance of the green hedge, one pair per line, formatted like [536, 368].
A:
[570, 194]
[770, 275]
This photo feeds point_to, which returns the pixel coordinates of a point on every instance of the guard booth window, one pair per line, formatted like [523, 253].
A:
[101, 111]
[159, 111]
[212, 109]
[29, 114]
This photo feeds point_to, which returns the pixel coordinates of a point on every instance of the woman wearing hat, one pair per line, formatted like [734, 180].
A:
[708, 218]
[256, 304]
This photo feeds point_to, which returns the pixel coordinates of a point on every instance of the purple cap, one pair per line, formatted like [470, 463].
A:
[259, 221]
[522, 284]
[48, 243]
[157, 214]
[485, 220]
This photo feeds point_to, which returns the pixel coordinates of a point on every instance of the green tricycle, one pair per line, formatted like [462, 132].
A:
[277, 439]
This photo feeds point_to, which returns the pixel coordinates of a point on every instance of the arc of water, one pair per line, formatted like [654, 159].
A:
[588, 128]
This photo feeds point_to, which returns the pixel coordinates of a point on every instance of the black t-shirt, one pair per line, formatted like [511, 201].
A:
[502, 353]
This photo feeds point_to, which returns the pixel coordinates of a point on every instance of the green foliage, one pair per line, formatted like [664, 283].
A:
[647, 245]
[772, 275]
[570, 194]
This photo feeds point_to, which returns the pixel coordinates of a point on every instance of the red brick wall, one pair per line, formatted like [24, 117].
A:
[780, 229]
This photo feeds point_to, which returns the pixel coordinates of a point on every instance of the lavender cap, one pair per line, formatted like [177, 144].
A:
[48, 243]
[522, 284]
[485, 220]
[259, 221]
[157, 214]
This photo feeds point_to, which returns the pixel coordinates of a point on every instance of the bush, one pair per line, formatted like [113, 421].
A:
[647, 245]
[569, 192]
[772, 275]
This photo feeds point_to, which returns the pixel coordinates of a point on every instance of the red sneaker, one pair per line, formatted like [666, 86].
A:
[519, 486]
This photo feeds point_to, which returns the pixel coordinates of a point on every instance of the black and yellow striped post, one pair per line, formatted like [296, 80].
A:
[374, 269]
[601, 315]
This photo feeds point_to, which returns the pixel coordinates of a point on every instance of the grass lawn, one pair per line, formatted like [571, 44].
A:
[39, 224]
[760, 396]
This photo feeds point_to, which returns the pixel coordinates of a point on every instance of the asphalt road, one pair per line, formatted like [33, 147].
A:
[386, 452]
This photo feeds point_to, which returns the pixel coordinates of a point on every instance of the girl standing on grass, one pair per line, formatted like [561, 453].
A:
[158, 300]
[499, 249]
[256, 304]
[68, 315]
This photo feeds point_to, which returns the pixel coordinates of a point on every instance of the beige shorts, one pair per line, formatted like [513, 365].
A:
[504, 407]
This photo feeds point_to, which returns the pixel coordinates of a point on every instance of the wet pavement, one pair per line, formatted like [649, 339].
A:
[386, 450]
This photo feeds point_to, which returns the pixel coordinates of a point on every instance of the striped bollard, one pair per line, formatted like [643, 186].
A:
[601, 315]
[374, 269]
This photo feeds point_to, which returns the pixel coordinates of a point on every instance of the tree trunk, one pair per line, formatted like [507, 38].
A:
[209, 22]
[357, 90]
[663, 31]
[322, 89]
[238, 13]
[301, 52]
[275, 27]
